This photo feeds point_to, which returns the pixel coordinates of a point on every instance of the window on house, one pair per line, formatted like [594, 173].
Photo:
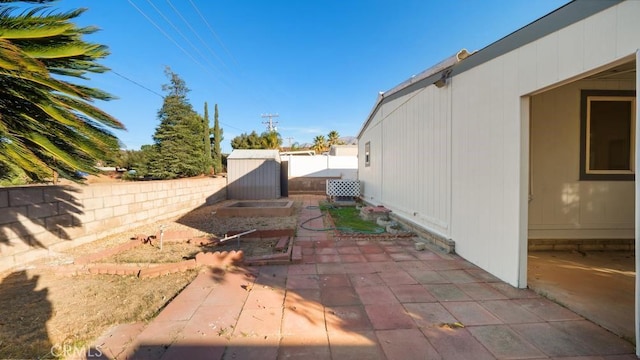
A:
[607, 143]
[367, 153]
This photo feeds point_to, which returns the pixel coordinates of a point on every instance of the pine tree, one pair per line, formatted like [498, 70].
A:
[217, 139]
[207, 140]
[178, 138]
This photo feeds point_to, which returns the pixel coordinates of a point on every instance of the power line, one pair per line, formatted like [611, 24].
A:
[213, 32]
[137, 83]
[196, 33]
[180, 33]
[167, 35]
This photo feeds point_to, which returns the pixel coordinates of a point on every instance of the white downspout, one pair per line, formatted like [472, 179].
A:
[637, 224]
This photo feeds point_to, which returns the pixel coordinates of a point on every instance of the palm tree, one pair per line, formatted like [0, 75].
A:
[271, 140]
[48, 124]
[319, 144]
[333, 138]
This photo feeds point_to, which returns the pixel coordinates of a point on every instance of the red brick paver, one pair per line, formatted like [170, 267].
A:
[360, 298]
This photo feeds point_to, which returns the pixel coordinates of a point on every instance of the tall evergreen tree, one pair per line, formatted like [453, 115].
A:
[47, 123]
[178, 138]
[207, 140]
[217, 139]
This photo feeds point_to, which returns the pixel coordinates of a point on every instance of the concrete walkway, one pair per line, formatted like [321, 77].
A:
[361, 299]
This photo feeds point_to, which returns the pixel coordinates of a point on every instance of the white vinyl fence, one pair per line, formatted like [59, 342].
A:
[345, 167]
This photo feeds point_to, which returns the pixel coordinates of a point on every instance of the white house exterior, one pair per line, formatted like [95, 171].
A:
[499, 154]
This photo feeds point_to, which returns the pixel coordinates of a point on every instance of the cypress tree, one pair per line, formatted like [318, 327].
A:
[217, 139]
[207, 140]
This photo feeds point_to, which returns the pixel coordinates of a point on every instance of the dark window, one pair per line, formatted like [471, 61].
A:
[607, 143]
[367, 153]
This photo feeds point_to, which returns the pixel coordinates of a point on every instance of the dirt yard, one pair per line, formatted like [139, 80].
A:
[40, 310]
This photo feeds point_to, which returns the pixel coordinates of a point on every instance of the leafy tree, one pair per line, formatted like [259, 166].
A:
[208, 162]
[271, 140]
[217, 139]
[48, 125]
[319, 144]
[333, 138]
[247, 141]
[178, 138]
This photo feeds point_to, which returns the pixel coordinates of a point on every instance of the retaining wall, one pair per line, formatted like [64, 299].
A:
[38, 220]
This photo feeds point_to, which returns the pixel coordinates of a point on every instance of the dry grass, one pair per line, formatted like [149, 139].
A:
[39, 310]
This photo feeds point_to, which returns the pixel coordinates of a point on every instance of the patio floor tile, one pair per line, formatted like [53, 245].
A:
[389, 316]
[471, 313]
[336, 296]
[406, 344]
[412, 293]
[347, 318]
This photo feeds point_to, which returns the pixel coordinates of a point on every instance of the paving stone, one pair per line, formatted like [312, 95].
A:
[332, 268]
[482, 275]
[399, 277]
[348, 258]
[358, 268]
[412, 293]
[347, 318]
[263, 348]
[504, 343]
[334, 280]
[303, 282]
[457, 276]
[385, 266]
[303, 320]
[349, 250]
[389, 316]
[552, 341]
[359, 280]
[480, 291]
[302, 269]
[429, 314]
[513, 292]
[456, 343]
[406, 344]
[413, 265]
[259, 322]
[194, 351]
[179, 309]
[446, 292]
[509, 312]
[336, 296]
[547, 310]
[302, 296]
[355, 345]
[327, 251]
[262, 296]
[321, 259]
[117, 339]
[471, 313]
[377, 257]
[600, 340]
[402, 256]
[447, 264]
[427, 276]
[304, 347]
[371, 249]
[380, 294]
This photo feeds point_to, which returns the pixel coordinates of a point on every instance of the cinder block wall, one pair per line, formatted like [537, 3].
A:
[35, 220]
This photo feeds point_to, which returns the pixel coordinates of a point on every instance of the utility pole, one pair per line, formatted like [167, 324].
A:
[271, 125]
[289, 138]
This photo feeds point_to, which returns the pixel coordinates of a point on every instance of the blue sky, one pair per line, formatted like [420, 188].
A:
[318, 64]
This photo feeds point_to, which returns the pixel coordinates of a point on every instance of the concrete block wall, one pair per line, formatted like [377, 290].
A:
[36, 220]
